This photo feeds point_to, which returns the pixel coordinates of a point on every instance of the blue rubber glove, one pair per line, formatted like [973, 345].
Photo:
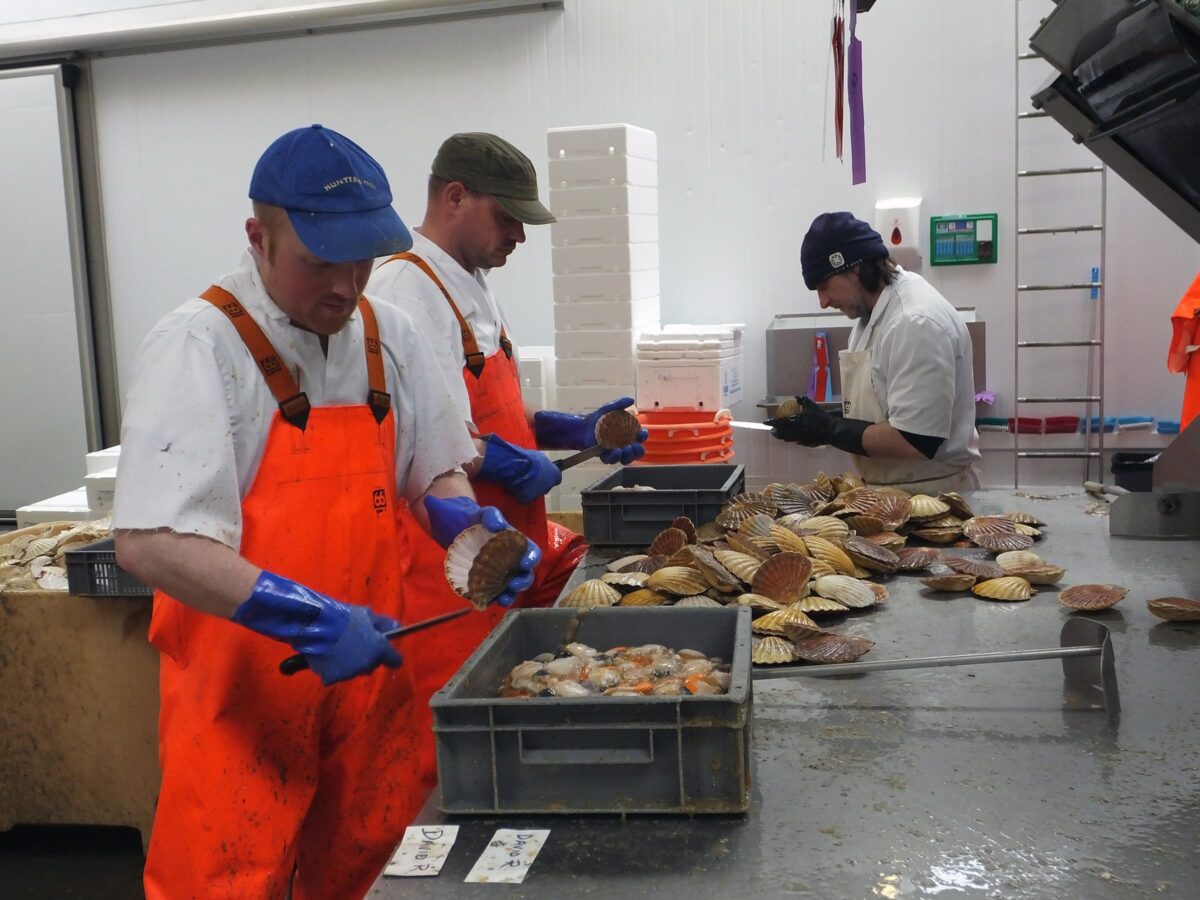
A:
[449, 517]
[526, 474]
[567, 431]
[340, 640]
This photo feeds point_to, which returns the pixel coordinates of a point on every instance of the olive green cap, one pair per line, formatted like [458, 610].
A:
[488, 164]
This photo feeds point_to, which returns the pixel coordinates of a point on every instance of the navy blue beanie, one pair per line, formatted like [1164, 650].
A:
[837, 242]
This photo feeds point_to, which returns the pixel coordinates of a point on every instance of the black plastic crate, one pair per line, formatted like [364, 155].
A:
[648, 754]
[631, 518]
[93, 571]
[1134, 471]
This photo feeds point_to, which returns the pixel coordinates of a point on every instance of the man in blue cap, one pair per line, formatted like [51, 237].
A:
[276, 427]
[908, 390]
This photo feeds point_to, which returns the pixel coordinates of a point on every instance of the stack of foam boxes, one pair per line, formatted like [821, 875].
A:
[604, 193]
[91, 501]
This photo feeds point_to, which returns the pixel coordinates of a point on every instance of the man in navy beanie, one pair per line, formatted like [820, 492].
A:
[907, 384]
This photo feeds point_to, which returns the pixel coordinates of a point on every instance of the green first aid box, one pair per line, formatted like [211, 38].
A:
[962, 240]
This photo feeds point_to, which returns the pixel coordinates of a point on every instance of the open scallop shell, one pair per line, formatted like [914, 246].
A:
[827, 551]
[746, 546]
[832, 648]
[787, 621]
[915, 559]
[618, 565]
[1175, 609]
[1092, 596]
[940, 535]
[625, 579]
[644, 597]
[1010, 587]
[772, 650]
[1043, 574]
[999, 543]
[972, 528]
[617, 429]
[687, 526]
[590, 594]
[846, 590]
[717, 576]
[816, 604]
[668, 541]
[1024, 518]
[647, 564]
[957, 504]
[783, 577]
[697, 600]
[479, 563]
[758, 601]
[952, 581]
[760, 503]
[870, 555]
[864, 525]
[926, 507]
[678, 580]
[741, 565]
[1017, 559]
[981, 569]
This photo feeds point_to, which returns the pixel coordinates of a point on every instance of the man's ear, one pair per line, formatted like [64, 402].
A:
[454, 193]
[256, 233]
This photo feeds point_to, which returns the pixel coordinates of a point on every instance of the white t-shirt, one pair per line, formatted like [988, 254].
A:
[922, 366]
[404, 284]
[198, 412]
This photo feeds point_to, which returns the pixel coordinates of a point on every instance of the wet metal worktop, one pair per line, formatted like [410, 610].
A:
[984, 781]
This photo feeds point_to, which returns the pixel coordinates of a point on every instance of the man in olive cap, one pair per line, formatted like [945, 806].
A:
[482, 193]
[908, 391]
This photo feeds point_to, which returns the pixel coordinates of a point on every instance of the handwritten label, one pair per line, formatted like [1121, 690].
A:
[507, 859]
[422, 852]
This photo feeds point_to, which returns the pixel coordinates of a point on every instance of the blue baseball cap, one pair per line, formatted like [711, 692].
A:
[336, 196]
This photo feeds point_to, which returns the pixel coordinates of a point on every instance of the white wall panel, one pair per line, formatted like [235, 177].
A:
[734, 89]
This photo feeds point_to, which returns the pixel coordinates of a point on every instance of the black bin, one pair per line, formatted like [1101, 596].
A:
[1133, 471]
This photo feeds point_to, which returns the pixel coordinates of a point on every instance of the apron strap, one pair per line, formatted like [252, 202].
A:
[378, 398]
[474, 358]
[293, 402]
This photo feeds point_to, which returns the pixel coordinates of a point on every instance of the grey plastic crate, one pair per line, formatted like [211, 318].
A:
[633, 518]
[92, 570]
[596, 755]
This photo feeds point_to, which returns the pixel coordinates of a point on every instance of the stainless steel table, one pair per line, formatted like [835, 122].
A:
[961, 782]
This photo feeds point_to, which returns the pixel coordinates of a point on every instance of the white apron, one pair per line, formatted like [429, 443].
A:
[923, 476]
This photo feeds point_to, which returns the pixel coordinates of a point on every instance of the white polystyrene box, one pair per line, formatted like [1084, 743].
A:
[621, 316]
[606, 287]
[601, 140]
[100, 487]
[592, 397]
[583, 372]
[595, 344]
[69, 507]
[671, 384]
[603, 171]
[604, 201]
[584, 230]
[534, 398]
[535, 363]
[597, 259]
[99, 460]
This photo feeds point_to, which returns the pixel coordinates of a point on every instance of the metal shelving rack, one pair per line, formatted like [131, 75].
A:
[1092, 443]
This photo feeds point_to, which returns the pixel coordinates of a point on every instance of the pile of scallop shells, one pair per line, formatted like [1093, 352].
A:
[33, 558]
[800, 555]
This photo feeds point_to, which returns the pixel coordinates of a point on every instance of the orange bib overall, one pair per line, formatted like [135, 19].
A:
[1185, 327]
[494, 388]
[265, 775]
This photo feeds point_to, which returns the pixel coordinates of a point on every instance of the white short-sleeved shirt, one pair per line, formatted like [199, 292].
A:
[199, 411]
[922, 366]
[404, 284]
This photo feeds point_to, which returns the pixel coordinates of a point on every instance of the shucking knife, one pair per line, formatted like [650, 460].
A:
[299, 662]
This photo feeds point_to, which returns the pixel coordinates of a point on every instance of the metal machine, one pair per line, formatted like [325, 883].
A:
[1129, 90]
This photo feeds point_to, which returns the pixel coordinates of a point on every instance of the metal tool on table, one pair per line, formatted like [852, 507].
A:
[614, 430]
[1086, 653]
[299, 662]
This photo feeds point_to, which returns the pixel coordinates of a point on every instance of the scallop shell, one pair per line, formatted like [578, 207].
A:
[870, 555]
[760, 503]
[860, 500]
[937, 535]
[829, 552]
[981, 569]
[678, 580]
[890, 539]
[947, 521]
[846, 590]
[1043, 574]
[687, 526]
[1029, 530]
[788, 408]
[741, 565]
[697, 600]
[1024, 518]
[957, 504]
[1092, 596]
[847, 481]
[733, 515]
[894, 509]
[769, 624]
[712, 570]
[789, 621]
[1010, 587]
[829, 527]
[832, 648]
[772, 650]
[998, 543]
[616, 429]
[709, 532]
[644, 597]
[52, 578]
[1175, 609]
[479, 563]
[1016, 559]
[973, 528]
[814, 603]
[618, 565]
[880, 591]
[746, 546]
[783, 577]
[865, 525]
[647, 564]
[758, 601]
[953, 581]
[821, 568]
[758, 525]
[590, 594]
[926, 507]
[786, 540]
[43, 546]
[861, 573]
[914, 559]
[668, 541]
[625, 579]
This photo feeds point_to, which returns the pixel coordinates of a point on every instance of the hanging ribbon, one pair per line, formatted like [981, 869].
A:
[838, 40]
[854, 91]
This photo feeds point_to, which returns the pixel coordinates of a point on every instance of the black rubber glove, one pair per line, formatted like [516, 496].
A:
[813, 427]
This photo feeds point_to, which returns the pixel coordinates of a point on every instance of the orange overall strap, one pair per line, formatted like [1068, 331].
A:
[293, 402]
[378, 398]
[474, 358]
